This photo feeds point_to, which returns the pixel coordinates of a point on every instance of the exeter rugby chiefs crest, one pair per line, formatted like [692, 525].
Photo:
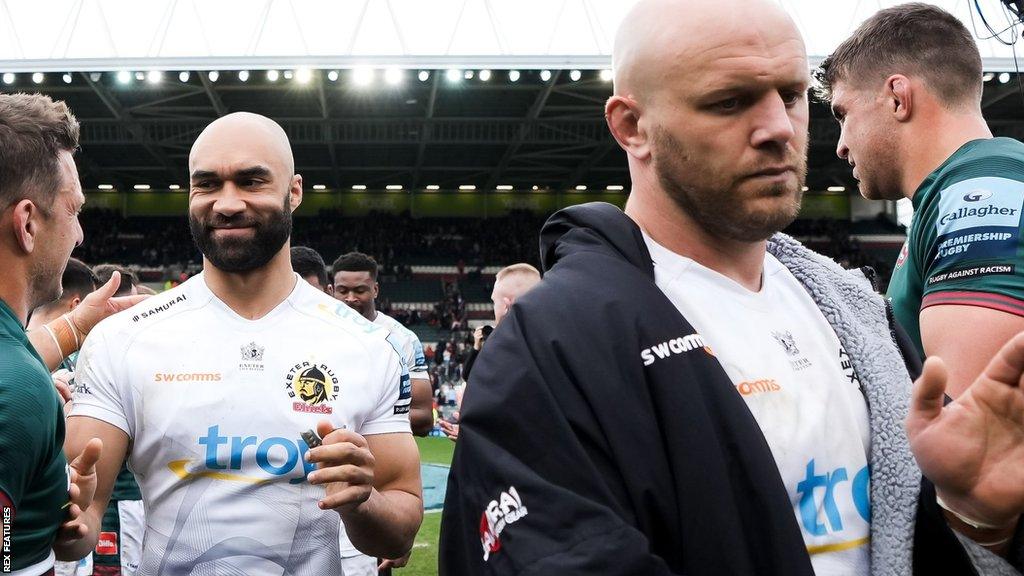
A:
[312, 387]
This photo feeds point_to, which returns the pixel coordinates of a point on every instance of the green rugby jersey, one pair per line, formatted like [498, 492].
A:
[33, 471]
[965, 244]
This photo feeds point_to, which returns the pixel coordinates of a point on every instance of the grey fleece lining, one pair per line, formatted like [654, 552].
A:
[857, 314]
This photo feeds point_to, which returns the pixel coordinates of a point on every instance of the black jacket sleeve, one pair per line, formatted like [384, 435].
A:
[529, 490]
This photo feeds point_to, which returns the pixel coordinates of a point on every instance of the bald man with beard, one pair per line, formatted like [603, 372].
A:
[208, 389]
[687, 391]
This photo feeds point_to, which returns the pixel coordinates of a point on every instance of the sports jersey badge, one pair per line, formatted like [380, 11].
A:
[252, 357]
[313, 387]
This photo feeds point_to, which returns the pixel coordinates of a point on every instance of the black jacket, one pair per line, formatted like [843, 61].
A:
[576, 458]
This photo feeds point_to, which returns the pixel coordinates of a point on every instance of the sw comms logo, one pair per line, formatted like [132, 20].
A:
[673, 346]
[507, 509]
[315, 385]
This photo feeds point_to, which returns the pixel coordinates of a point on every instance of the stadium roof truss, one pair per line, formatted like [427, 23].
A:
[381, 92]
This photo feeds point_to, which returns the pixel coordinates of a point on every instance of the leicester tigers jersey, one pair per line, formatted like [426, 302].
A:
[214, 405]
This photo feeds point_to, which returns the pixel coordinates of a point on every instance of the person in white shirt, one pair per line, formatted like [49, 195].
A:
[355, 284]
[207, 389]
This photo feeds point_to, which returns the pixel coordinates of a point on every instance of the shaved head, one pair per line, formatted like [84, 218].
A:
[710, 106]
[659, 35]
[243, 189]
[245, 132]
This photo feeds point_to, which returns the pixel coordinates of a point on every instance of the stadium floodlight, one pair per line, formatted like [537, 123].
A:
[535, 187]
[124, 77]
[37, 78]
[394, 76]
[1004, 77]
[362, 76]
[303, 75]
[288, 74]
[987, 77]
[9, 78]
[393, 187]
[606, 75]
[513, 75]
[332, 75]
[423, 75]
[95, 76]
[359, 186]
[319, 187]
[805, 188]
[503, 187]
[467, 187]
[575, 75]
[614, 187]
[484, 75]
[545, 75]
[433, 187]
[214, 76]
[154, 76]
[243, 76]
[106, 187]
[453, 75]
[273, 75]
[468, 75]
[174, 187]
[184, 76]
[141, 187]
[67, 78]
[581, 187]
[836, 188]
[140, 76]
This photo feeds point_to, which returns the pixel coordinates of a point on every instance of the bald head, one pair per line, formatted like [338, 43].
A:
[244, 135]
[657, 36]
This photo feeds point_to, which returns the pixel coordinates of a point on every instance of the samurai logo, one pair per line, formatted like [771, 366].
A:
[500, 513]
[314, 384]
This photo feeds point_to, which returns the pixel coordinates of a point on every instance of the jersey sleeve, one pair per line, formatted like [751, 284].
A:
[99, 392]
[20, 449]
[416, 361]
[971, 251]
[391, 413]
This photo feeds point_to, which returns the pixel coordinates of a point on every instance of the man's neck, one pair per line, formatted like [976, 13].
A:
[252, 295]
[946, 134]
[666, 223]
[16, 293]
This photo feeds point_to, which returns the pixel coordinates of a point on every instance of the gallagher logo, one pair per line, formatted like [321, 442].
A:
[315, 385]
[507, 509]
[977, 195]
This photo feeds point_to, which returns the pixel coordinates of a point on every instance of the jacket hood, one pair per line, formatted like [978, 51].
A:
[594, 226]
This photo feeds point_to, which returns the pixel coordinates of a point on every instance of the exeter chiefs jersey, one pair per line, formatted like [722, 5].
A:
[965, 244]
[410, 346]
[215, 404]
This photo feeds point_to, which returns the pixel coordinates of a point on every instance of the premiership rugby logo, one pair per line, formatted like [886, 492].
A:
[313, 386]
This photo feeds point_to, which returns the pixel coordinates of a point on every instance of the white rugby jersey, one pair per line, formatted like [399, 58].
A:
[215, 404]
[411, 347]
[416, 362]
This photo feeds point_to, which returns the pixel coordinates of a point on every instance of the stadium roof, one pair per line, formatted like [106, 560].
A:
[379, 92]
[90, 35]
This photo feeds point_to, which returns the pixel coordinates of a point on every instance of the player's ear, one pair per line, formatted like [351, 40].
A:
[295, 192]
[900, 94]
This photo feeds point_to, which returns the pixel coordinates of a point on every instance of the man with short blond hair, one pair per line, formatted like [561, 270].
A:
[510, 283]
